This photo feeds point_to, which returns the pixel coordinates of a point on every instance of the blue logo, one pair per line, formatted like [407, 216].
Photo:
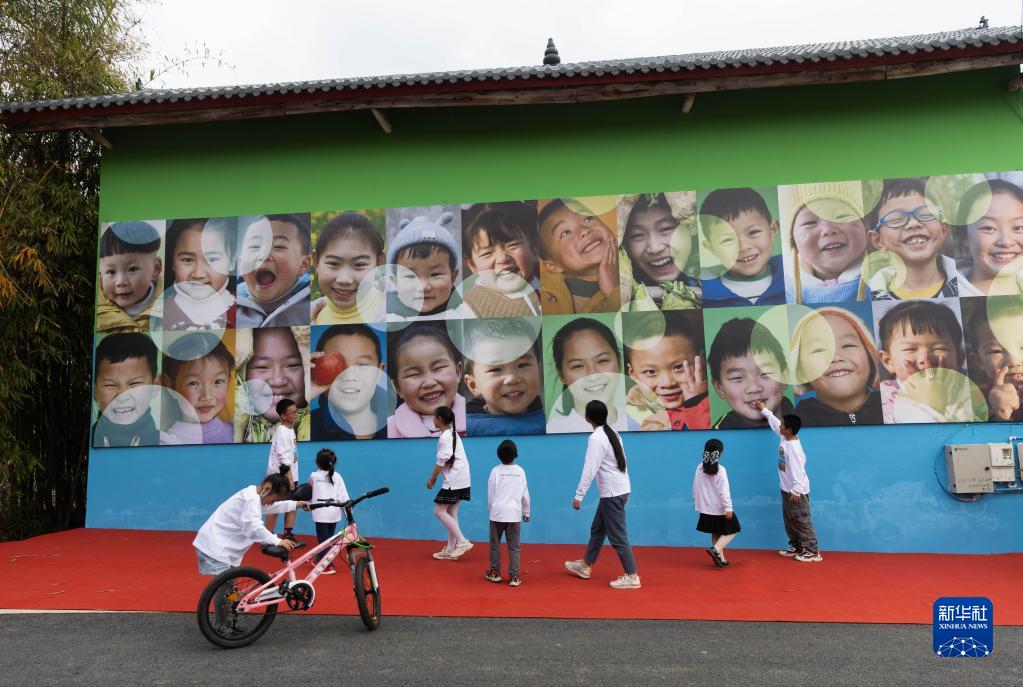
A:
[964, 627]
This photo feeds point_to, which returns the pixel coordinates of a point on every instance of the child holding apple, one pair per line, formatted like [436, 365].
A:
[347, 371]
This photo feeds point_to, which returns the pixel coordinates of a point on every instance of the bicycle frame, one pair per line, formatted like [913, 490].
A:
[269, 594]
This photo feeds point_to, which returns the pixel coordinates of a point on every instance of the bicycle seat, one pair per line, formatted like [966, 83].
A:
[279, 551]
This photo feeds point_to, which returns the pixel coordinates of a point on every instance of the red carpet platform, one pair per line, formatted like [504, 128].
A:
[129, 570]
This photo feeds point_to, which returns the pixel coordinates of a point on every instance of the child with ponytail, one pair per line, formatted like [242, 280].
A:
[327, 484]
[605, 460]
[453, 464]
[713, 501]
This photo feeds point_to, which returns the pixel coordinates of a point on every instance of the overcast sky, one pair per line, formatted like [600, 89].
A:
[263, 41]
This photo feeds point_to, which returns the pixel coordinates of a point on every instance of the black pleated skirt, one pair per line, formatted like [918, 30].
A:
[718, 524]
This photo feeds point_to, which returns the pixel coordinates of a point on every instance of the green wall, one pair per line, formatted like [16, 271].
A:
[932, 125]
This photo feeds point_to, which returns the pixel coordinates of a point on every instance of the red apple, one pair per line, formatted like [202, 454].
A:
[327, 367]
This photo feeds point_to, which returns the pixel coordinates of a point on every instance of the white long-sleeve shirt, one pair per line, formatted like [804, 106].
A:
[791, 460]
[236, 524]
[324, 488]
[600, 463]
[508, 494]
[457, 476]
[711, 494]
[283, 452]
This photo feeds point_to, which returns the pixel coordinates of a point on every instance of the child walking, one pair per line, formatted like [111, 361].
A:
[605, 460]
[508, 496]
[713, 501]
[326, 484]
[795, 488]
[453, 464]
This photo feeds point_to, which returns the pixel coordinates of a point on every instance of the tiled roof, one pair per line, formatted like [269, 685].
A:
[672, 66]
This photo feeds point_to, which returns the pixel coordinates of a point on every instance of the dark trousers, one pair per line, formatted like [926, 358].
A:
[324, 531]
[511, 531]
[798, 525]
[609, 523]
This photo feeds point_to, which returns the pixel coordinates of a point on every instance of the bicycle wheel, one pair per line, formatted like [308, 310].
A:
[218, 618]
[366, 596]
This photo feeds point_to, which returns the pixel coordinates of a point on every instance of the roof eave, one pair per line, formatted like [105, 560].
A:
[549, 90]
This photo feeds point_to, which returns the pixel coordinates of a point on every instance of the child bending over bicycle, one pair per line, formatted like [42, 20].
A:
[237, 523]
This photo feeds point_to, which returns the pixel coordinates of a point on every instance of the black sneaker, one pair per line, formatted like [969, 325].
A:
[290, 536]
[790, 552]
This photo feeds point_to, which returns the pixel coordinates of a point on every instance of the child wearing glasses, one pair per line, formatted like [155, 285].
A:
[904, 224]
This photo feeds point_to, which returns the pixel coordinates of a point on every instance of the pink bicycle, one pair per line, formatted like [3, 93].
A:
[240, 604]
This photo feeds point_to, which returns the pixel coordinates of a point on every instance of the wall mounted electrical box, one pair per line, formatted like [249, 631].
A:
[969, 468]
[1003, 464]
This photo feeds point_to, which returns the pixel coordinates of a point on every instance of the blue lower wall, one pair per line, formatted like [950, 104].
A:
[873, 488]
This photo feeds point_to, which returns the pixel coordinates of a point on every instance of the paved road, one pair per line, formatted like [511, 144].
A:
[167, 649]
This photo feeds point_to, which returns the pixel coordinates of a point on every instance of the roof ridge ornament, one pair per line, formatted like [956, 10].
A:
[550, 55]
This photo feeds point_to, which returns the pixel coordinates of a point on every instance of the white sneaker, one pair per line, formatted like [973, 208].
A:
[461, 549]
[810, 557]
[790, 552]
[626, 582]
[579, 568]
[443, 555]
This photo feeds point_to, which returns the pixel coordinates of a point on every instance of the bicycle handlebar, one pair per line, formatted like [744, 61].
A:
[331, 503]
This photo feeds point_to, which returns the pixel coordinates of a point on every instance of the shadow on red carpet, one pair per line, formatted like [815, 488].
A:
[132, 570]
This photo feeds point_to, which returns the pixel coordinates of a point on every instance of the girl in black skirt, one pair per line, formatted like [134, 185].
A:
[453, 464]
[713, 501]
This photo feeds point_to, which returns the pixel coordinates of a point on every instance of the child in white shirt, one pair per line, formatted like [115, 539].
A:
[453, 464]
[713, 501]
[508, 496]
[326, 484]
[284, 460]
[237, 523]
[795, 488]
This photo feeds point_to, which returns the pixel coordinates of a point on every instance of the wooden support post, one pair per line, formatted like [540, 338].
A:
[382, 120]
[688, 104]
[98, 137]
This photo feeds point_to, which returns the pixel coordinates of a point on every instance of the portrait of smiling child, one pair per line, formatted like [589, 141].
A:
[348, 396]
[739, 232]
[273, 263]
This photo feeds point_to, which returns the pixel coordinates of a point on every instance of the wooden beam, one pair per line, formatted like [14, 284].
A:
[382, 120]
[687, 105]
[98, 137]
[536, 93]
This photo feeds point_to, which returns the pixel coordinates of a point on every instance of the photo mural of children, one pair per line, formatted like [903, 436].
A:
[824, 242]
[739, 233]
[499, 242]
[426, 369]
[199, 367]
[909, 227]
[991, 227]
[664, 357]
[349, 249]
[586, 357]
[921, 348]
[355, 403]
[273, 263]
[272, 365]
[836, 367]
[994, 345]
[579, 258]
[123, 388]
[661, 258]
[423, 257]
[747, 365]
[129, 276]
[199, 289]
[504, 375]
